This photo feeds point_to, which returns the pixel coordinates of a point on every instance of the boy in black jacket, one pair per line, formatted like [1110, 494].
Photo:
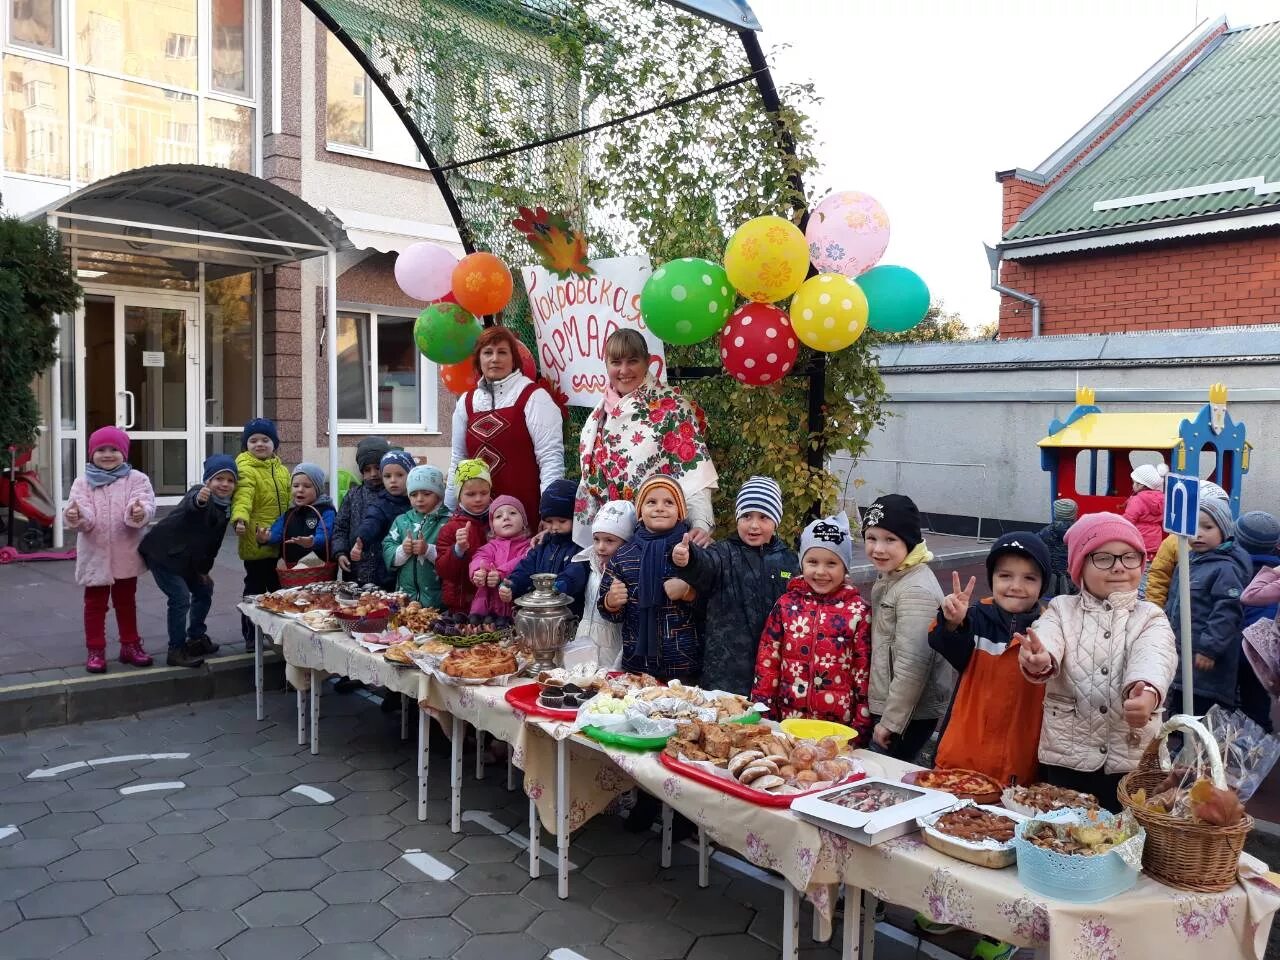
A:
[180, 550]
[556, 551]
[740, 579]
[371, 569]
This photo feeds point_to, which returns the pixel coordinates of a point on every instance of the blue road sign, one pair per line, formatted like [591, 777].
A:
[1181, 504]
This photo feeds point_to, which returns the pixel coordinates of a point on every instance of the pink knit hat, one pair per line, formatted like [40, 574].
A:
[1092, 531]
[506, 500]
[109, 437]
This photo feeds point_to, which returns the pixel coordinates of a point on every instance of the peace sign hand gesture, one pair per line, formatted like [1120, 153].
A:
[1032, 656]
[955, 605]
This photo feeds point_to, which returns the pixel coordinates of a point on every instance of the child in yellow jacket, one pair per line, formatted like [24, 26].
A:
[261, 496]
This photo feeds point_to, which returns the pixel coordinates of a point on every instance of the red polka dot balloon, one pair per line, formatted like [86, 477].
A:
[758, 345]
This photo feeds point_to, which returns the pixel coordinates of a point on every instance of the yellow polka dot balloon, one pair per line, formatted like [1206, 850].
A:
[767, 259]
[829, 312]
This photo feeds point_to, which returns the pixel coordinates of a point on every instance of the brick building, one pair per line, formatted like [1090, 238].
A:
[1161, 213]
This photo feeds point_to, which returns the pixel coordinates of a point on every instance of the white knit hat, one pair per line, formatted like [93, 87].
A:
[1150, 475]
[617, 517]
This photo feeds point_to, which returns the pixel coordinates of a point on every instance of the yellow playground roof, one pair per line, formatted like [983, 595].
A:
[1122, 431]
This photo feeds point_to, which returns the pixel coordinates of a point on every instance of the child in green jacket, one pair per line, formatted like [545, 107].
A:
[409, 549]
[262, 495]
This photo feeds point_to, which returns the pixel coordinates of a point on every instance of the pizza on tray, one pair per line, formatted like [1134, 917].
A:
[967, 783]
[481, 662]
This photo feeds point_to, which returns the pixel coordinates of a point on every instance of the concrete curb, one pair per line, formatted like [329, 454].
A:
[128, 690]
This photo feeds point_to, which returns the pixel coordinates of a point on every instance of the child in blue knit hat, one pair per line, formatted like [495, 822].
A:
[556, 551]
[307, 527]
[261, 496]
[409, 548]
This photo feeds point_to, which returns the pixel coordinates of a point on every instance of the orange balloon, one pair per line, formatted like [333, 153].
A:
[482, 284]
[458, 378]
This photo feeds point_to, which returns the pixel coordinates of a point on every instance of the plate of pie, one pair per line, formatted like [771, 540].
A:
[484, 663]
[977, 834]
[966, 784]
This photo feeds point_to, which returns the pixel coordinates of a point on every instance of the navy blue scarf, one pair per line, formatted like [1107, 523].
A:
[97, 477]
[655, 552]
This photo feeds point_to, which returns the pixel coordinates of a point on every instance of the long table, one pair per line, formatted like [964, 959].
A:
[569, 779]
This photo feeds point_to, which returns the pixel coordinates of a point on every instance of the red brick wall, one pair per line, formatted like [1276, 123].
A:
[1218, 281]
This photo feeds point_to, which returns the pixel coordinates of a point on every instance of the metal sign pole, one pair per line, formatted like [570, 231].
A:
[1184, 628]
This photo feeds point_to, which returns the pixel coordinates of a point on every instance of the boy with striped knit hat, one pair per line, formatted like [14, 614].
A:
[741, 579]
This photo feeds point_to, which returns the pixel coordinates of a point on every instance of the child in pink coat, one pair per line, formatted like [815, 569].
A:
[110, 507]
[1145, 509]
[493, 563]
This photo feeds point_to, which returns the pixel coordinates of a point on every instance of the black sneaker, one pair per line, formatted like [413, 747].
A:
[184, 657]
[202, 646]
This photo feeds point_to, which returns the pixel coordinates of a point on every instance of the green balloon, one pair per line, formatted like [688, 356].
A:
[687, 300]
[445, 333]
[897, 299]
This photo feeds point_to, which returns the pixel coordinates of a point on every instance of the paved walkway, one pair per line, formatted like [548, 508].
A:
[227, 861]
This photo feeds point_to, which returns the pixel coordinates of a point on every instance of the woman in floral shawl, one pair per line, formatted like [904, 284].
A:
[640, 428]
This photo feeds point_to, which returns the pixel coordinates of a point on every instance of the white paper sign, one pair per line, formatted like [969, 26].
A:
[572, 319]
[153, 358]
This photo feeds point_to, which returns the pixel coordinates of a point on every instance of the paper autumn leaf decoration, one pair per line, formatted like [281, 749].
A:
[561, 248]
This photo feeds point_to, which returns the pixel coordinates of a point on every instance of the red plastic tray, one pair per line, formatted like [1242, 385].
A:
[735, 789]
[525, 699]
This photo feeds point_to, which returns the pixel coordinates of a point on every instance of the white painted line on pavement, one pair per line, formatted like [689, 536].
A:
[149, 787]
[313, 793]
[508, 834]
[750, 870]
[486, 821]
[54, 771]
[8, 831]
[564, 953]
[429, 865]
[47, 772]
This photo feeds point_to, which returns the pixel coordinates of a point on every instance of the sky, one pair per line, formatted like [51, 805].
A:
[925, 99]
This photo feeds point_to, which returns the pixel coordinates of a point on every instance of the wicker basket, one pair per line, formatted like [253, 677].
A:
[1180, 853]
[304, 576]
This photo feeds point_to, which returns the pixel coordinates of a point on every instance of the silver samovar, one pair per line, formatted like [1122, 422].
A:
[544, 623]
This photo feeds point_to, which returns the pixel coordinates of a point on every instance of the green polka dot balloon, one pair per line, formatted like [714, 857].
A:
[687, 300]
[445, 333]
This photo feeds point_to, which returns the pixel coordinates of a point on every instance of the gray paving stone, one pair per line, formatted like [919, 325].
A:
[570, 925]
[276, 943]
[296, 844]
[493, 878]
[287, 908]
[364, 804]
[273, 764]
[197, 930]
[225, 757]
[311, 817]
[319, 771]
[167, 769]
[32, 791]
[64, 899]
[283, 747]
[116, 946]
[365, 828]
[361, 855]
[651, 940]
[9, 914]
[151, 878]
[21, 813]
[187, 821]
[503, 913]
[348, 951]
[253, 808]
[375, 759]
[131, 914]
[215, 893]
[618, 870]
[297, 874]
[596, 951]
[214, 777]
[545, 894]
[350, 922]
[430, 837]
[114, 836]
[77, 801]
[17, 882]
[37, 939]
[365, 780]
[736, 946]
[135, 809]
[238, 832]
[412, 939]
[636, 903]
[60, 825]
[414, 900]
[608, 838]
[501, 946]
[112, 776]
[173, 847]
[486, 849]
[200, 798]
[264, 785]
[710, 914]
[36, 853]
[229, 860]
[91, 865]
[355, 886]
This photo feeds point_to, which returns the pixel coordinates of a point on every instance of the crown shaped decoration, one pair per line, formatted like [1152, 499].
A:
[1084, 396]
[1218, 393]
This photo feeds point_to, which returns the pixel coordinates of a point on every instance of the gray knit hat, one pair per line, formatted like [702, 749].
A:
[313, 473]
[761, 494]
[1258, 532]
[1219, 512]
[829, 533]
[1064, 510]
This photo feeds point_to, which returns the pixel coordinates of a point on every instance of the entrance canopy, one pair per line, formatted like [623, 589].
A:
[193, 212]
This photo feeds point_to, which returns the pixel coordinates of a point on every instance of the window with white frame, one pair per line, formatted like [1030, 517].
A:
[383, 381]
[358, 118]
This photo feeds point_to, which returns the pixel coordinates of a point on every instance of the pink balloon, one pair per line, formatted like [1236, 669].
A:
[847, 233]
[425, 271]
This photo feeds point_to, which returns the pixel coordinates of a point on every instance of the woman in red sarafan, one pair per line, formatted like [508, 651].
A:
[815, 651]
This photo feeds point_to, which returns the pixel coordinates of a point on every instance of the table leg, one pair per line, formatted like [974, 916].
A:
[562, 819]
[511, 770]
[257, 669]
[790, 922]
[316, 677]
[455, 777]
[535, 841]
[851, 941]
[869, 904]
[479, 754]
[821, 926]
[668, 815]
[424, 761]
[404, 718]
[704, 859]
[302, 719]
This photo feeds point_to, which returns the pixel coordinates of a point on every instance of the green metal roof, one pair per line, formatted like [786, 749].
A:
[1219, 122]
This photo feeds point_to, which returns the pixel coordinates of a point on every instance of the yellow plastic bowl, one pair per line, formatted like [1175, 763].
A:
[817, 729]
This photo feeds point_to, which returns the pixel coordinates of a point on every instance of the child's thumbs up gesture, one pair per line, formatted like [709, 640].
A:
[357, 550]
[680, 552]
[1140, 704]
[262, 535]
[203, 496]
[1032, 656]
[72, 514]
[136, 512]
[955, 605]
[616, 598]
